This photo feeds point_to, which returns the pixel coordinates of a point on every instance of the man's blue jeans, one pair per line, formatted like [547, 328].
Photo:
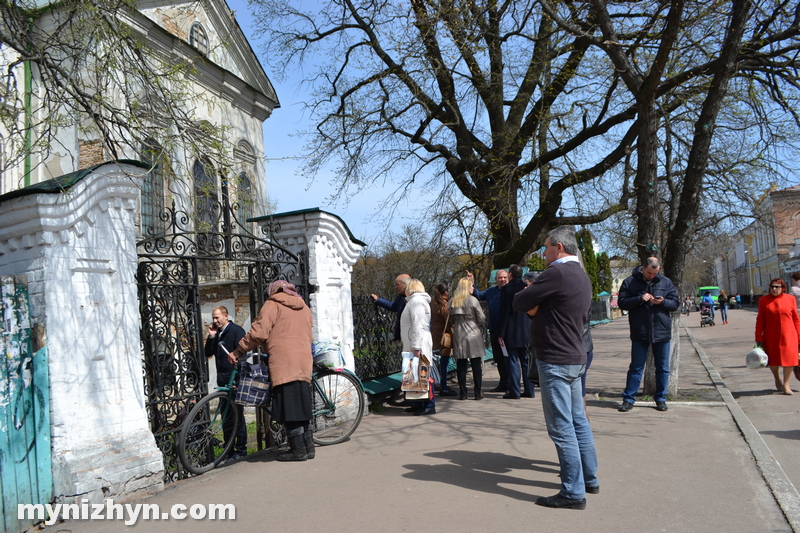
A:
[638, 358]
[562, 402]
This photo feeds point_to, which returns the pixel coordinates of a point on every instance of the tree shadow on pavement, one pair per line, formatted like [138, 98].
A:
[486, 472]
[792, 434]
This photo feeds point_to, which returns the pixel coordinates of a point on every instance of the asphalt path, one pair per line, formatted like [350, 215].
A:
[773, 414]
[478, 466]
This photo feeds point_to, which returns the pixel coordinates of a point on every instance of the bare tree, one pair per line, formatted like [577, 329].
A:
[87, 65]
[538, 113]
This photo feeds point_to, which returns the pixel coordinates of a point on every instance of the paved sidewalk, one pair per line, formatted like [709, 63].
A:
[480, 465]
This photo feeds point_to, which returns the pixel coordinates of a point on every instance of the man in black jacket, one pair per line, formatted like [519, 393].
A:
[224, 337]
[649, 298]
[513, 333]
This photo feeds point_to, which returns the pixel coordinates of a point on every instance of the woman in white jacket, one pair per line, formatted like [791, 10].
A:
[415, 333]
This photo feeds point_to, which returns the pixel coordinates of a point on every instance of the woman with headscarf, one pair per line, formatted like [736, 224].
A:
[283, 327]
[467, 317]
[778, 332]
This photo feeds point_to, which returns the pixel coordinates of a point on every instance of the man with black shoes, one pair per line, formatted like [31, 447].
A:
[514, 331]
[492, 298]
[649, 297]
[224, 337]
[560, 299]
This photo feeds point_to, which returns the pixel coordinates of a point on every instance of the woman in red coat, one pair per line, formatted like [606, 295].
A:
[778, 332]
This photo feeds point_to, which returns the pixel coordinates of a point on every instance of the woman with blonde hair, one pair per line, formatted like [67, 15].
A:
[415, 333]
[467, 318]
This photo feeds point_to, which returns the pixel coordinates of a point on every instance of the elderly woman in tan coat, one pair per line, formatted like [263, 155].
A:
[467, 317]
[283, 328]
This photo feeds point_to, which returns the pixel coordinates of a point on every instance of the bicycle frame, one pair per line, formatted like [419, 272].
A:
[328, 404]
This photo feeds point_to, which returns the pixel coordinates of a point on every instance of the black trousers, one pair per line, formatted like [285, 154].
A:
[477, 375]
[500, 360]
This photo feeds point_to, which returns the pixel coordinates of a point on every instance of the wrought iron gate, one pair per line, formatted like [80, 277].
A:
[173, 266]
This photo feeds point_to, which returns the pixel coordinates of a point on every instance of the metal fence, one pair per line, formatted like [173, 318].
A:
[375, 350]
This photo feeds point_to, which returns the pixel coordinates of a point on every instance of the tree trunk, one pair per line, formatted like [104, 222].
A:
[649, 386]
[645, 184]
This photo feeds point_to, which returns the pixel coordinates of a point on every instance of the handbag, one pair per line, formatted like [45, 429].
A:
[447, 339]
[254, 385]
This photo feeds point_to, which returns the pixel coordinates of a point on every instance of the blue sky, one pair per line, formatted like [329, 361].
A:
[284, 146]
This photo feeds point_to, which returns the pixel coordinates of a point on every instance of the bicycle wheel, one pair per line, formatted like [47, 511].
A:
[338, 406]
[201, 442]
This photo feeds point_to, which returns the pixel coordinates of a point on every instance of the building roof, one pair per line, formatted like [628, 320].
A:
[63, 183]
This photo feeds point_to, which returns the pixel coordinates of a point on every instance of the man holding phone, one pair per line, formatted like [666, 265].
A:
[649, 298]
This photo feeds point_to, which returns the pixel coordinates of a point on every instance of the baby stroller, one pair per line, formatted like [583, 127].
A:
[705, 315]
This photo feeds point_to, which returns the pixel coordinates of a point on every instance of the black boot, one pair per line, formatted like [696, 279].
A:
[308, 439]
[297, 447]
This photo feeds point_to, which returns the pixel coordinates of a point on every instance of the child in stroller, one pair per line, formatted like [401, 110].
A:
[705, 315]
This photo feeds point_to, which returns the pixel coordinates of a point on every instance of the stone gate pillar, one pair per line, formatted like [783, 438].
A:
[331, 251]
[75, 238]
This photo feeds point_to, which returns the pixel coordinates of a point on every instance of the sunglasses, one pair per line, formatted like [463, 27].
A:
[775, 287]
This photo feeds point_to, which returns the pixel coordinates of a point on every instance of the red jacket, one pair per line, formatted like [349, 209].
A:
[778, 329]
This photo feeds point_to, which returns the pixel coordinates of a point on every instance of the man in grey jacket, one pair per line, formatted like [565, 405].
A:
[560, 299]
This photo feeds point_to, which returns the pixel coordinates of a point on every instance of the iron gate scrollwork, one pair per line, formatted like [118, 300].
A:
[174, 268]
[376, 352]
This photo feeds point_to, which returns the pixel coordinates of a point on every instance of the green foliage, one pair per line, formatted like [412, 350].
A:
[584, 238]
[536, 262]
[604, 277]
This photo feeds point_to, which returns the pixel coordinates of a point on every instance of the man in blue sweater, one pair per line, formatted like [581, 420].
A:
[492, 298]
[559, 302]
[399, 302]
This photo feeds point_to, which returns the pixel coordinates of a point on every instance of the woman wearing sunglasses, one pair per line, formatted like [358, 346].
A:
[778, 332]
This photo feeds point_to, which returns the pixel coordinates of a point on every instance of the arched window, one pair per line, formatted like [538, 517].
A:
[206, 205]
[244, 199]
[198, 38]
[245, 195]
[152, 198]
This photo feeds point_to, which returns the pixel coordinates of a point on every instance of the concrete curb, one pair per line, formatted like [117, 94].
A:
[778, 482]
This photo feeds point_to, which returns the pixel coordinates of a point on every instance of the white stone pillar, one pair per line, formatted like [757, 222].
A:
[331, 251]
[78, 248]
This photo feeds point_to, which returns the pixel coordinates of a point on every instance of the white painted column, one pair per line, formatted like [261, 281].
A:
[332, 252]
[78, 248]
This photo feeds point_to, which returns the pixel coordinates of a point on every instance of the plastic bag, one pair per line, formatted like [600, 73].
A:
[756, 358]
[328, 354]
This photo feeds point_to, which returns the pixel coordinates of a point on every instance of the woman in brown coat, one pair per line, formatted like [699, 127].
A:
[440, 317]
[283, 327]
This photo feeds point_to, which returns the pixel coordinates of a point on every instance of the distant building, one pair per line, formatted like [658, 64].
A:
[768, 248]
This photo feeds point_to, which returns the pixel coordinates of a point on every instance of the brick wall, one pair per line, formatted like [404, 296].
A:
[91, 154]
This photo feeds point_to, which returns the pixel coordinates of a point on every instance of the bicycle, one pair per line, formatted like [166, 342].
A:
[338, 406]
